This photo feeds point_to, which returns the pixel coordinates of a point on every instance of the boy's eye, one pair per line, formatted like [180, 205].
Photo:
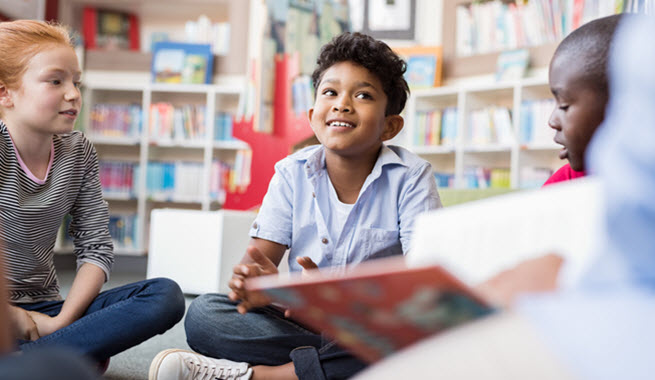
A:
[77, 84]
[55, 81]
[564, 108]
[364, 95]
[329, 92]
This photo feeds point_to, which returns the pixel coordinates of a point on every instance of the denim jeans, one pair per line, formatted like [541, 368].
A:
[116, 320]
[264, 337]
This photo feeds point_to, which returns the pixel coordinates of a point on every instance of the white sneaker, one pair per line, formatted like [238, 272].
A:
[175, 364]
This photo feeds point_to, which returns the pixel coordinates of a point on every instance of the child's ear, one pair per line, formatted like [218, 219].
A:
[5, 97]
[393, 125]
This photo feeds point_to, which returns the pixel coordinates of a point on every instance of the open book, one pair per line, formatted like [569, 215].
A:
[377, 307]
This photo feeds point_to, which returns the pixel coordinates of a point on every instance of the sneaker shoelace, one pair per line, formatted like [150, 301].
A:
[202, 371]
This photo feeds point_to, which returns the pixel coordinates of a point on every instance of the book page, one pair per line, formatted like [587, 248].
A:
[476, 240]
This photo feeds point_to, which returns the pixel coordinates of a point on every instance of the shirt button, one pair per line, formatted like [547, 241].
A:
[324, 240]
[313, 194]
[254, 225]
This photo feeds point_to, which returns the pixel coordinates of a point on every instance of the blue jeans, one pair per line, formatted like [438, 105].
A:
[264, 337]
[116, 320]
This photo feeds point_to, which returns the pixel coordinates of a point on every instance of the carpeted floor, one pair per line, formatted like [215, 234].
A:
[134, 363]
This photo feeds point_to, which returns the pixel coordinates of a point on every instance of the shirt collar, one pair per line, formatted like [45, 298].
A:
[315, 160]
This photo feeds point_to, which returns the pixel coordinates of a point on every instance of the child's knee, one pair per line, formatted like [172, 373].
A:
[169, 299]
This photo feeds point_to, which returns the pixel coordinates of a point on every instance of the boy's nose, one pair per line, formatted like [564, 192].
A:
[553, 120]
[341, 108]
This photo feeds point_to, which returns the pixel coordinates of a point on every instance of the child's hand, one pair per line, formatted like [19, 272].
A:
[45, 323]
[22, 324]
[530, 276]
[261, 266]
[307, 265]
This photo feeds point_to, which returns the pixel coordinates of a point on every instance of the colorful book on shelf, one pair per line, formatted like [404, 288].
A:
[378, 307]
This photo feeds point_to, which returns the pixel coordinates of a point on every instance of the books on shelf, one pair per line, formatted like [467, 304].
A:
[117, 179]
[177, 123]
[482, 178]
[444, 179]
[115, 120]
[490, 26]
[124, 231]
[436, 127]
[122, 228]
[490, 125]
[533, 126]
[378, 307]
[223, 126]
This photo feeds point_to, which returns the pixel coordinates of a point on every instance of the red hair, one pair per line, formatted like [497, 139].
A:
[21, 40]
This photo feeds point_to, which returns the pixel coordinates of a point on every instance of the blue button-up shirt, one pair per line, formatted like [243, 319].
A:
[296, 207]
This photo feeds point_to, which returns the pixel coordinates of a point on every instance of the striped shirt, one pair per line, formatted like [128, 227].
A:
[31, 212]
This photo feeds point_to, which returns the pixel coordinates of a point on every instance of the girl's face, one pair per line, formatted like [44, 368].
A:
[48, 99]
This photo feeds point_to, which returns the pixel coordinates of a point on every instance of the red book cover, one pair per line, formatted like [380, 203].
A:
[378, 307]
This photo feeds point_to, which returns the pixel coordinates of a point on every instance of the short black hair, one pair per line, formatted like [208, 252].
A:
[376, 56]
[590, 46]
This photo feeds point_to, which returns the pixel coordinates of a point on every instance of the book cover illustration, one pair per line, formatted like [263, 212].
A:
[377, 308]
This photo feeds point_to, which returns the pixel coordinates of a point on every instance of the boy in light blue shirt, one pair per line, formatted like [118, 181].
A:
[348, 200]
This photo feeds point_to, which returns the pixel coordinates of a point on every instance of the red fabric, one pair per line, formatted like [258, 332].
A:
[565, 173]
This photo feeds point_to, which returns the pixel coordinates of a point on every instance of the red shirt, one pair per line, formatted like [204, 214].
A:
[565, 173]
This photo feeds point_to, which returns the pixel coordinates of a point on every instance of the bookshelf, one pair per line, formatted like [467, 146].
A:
[537, 26]
[145, 167]
[133, 192]
[515, 157]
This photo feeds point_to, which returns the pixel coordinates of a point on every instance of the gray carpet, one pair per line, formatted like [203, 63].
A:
[134, 363]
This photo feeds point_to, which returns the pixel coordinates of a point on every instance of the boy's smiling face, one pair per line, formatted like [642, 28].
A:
[348, 116]
[579, 109]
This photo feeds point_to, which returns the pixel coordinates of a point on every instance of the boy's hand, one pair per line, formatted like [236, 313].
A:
[307, 265]
[260, 266]
[22, 324]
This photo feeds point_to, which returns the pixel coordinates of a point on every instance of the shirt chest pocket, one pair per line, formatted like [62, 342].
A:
[380, 242]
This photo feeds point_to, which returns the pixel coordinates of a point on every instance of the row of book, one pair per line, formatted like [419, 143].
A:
[183, 181]
[482, 178]
[223, 126]
[497, 25]
[436, 127]
[115, 120]
[123, 229]
[167, 122]
[117, 179]
[176, 180]
[490, 125]
[177, 123]
[533, 125]
[477, 177]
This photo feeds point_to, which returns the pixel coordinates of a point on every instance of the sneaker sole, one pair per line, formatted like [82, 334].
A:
[156, 362]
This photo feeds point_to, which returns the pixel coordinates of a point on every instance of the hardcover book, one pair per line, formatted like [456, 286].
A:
[378, 307]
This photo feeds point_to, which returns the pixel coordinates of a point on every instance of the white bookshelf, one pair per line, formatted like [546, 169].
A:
[467, 97]
[144, 149]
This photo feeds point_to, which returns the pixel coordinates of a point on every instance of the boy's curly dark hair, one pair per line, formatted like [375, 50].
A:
[376, 56]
